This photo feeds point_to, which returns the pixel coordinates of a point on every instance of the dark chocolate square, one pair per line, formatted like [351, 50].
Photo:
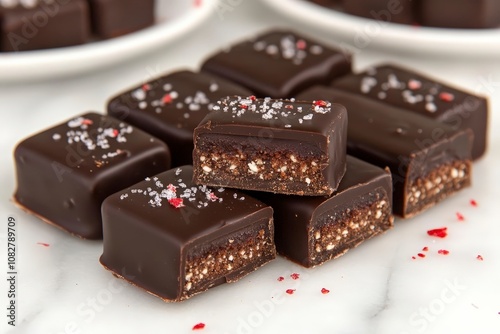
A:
[279, 64]
[175, 239]
[172, 106]
[43, 24]
[64, 173]
[313, 230]
[429, 161]
[280, 146]
[395, 11]
[425, 96]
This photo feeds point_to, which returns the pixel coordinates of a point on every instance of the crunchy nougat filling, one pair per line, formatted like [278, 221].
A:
[440, 183]
[339, 231]
[226, 256]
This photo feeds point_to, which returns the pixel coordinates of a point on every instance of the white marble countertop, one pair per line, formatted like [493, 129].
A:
[376, 288]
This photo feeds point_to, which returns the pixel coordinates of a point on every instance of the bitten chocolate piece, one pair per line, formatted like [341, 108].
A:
[280, 146]
[313, 230]
[460, 13]
[172, 106]
[429, 161]
[395, 11]
[64, 173]
[112, 18]
[175, 239]
[42, 24]
[420, 94]
[279, 64]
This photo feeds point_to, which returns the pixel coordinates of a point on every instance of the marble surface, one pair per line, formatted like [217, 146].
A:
[376, 288]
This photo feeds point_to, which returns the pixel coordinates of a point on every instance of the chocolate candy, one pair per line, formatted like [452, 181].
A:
[279, 64]
[280, 146]
[312, 230]
[64, 173]
[396, 11]
[425, 96]
[460, 13]
[40, 24]
[170, 107]
[175, 239]
[112, 18]
[429, 161]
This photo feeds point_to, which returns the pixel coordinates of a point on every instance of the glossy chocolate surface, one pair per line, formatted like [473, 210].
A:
[64, 173]
[152, 229]
[172, 106]
[425, 96]
[304, 128]
[279, 64]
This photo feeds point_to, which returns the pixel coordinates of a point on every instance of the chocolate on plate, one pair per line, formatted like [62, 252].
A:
[64, 173]
[425, 96]
[280, 146]
[175, 239]
[400, 11]
[279, 64]
[312, 230]
[42, 24]
[429, 161]
[172, 106]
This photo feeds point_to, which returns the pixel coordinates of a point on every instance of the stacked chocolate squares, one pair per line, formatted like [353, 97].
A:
[275, 146]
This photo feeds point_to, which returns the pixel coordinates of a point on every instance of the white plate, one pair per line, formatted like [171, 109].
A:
[174, 18]
[362, 33]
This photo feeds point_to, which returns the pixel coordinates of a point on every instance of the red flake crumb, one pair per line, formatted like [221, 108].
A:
[413, 258]
[480, 258]
[414, 84]
[320, 103]
[421, 255]
[115, 133]
[438, 232]
[281, 279]
[288, 106]
[43, 244]
[253, 98]
[146, 87]
[171, 187]
[446, 97]
[425, 249]
[473, 203]
[176, 202]
[460, 217]
[443, 252]
[325, 291]
[301, 44]
[87, 121]
[167, 99]
[290, 291]
[295, 276]
[212, 197]
[243, 106]
[201, 325]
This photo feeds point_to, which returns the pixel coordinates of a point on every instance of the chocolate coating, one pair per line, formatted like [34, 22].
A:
[281, 146]
[47, 24]
[64, 173]
[412, 146]
[395, 11]
[172, 106]
[175, 239]
[299, 220]
[279, 64]
[403, 88]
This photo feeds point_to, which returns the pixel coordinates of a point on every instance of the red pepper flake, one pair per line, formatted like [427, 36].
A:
[413, 258]
[301, 44]
[167, 98]
[325, 291]
[243, 106]
[446, 97]
[320, 103]
[43, 244]
[172, 188]
[253, 98]
[425, 249]
[414, 84]
[295, 276]
[479, 258]
[290, 291]
[473, 203]
[87, 121]
[438, 232]
[288, 106]
[199, 326]
[460, 217]
[281, 279]
[146, 87]
[421, 255]
[176, 202]
[115, 133]
[212, 197]
[443, 252]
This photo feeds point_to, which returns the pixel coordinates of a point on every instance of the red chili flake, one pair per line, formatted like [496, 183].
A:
[196, 327]
[243, 106]
[167, 99]
[281, 279]
[438, 232]
[290, 291]
[473, 203]
[421, 255]
[43, 244]
[320, 103]
[446, 97]
[460, 217]
[414, 84]
[301, 44]
[212, 197]
[115, 133]
[253, 98]
[443, 252]
[87, 121]
[176, 202]
[425, 249]
[295, 276]
[480, 258]
[146, 87]
[288, 106]
[325, 291]
[413, 258]
[171, 187]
